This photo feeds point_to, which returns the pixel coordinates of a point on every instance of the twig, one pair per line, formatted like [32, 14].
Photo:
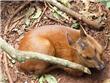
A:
[23, 55]
[107, 43]
[42, 14]
[38, 20]
[6, 68]
[11, 17]
[12, 27]
[57, 11]
[54, 19]
[79, 17]
[2, 78]
[19, 18]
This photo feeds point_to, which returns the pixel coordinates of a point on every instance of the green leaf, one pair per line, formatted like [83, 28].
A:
[75, 25]
[42, 79]
[56, 15]
[30, 12]
[27, 21]
[105, 2]
[37, 14]
[50, 79]
[108, 5]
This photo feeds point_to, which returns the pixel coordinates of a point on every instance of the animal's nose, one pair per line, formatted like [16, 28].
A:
[101, 66]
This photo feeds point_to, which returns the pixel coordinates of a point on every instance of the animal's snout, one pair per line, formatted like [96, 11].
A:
[101, 66]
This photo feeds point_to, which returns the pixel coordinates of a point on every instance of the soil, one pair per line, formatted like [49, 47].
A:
[9, 7]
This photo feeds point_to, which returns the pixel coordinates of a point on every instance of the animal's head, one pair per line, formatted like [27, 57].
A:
[89, 51]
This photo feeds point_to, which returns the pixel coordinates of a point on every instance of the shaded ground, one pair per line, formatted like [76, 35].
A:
[16, 34]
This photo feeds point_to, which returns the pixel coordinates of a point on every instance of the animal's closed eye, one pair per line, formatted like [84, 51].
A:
[82, 45]
[89, 58]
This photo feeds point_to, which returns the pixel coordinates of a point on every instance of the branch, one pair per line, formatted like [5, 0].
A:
[13, 15]
[23, 55]
[2, 77]
[5, 59]
[79, 17]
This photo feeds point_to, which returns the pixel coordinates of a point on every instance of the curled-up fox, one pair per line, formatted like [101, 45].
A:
[63, 42]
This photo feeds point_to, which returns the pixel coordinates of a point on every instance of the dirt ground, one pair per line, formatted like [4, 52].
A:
[9, 7]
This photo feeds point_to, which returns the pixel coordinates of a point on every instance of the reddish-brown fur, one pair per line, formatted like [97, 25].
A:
[63, 42]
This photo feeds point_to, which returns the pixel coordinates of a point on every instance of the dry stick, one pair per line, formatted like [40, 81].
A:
[95, 24]
[19, 18]
[37, 21]
[13, 26]
[11, 17]
[106, 44]
[50, 17]
[42, 14]
[2, 78]
[7, 69]
[56, 10]
[23, 55]
[5, 31]
[54, 19]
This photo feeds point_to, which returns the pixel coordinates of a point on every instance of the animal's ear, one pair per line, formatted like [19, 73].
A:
[69, 39]
[83, 33]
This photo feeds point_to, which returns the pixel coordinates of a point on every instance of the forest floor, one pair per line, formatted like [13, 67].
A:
[18, 28]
